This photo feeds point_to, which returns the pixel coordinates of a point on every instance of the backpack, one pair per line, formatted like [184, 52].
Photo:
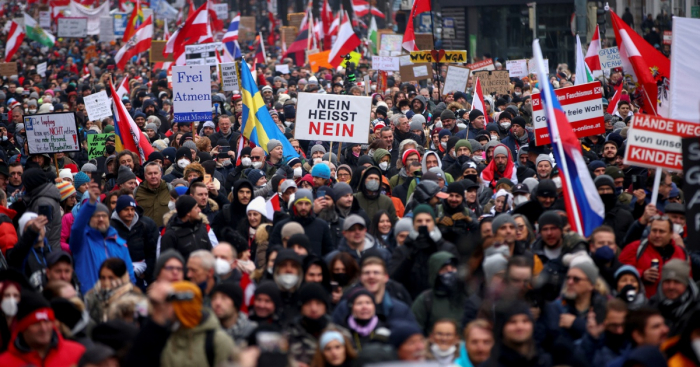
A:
[209, 347]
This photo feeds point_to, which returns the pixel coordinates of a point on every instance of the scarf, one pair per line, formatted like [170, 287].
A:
[363, 330]
[492, 175]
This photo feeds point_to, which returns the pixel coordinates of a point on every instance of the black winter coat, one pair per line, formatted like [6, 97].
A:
[141, 238]
[317, 230]
[185, 237]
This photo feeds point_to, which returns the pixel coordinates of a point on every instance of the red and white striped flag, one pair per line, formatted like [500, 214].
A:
[123, 88]
[346, 42]
[592, 59]
[612, 103]
[139, 42]
[409, 37]
[478, 100]
[14, 39]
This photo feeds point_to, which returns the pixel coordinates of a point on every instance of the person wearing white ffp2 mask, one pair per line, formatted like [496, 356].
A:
[287, 271]
[521, 194]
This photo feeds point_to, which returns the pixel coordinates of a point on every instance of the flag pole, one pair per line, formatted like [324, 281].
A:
[437, 64]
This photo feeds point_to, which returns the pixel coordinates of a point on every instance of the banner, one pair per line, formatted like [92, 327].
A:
[106, 29]
[41, 69]
[441, 55]
[93, 15]
[8, 68]
[332, 117]
[691, 184]
[72, 27]
[609, 58]
[494, 81]
[52, 133]
[96, 144]
[192, 93]
[120, 22]
[656, 142]
[203, 54]
[221, 10]
[98, 106]
[229, 77]
[482, 65]
[456, 79]
[686, 51]
[388, 63]
[532, 68]
[163, 10]
[583, 105]
[45, 19]
[517, 68]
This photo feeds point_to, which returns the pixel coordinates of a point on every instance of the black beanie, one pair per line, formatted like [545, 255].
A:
[232, 291]
[270, 289]
[33, 178]
[313, 291]
[474, 114]
[547, 188]
[246, 151]
[116, 334]
[66, 312]
[451, 142]
[517, 120]
[456, 188]
[550, 217]
[359, 291]
[183, 152]
[29, 303]
[299, 239]
[447, 114]
[154, 156]
[505, 114]
[184, 205]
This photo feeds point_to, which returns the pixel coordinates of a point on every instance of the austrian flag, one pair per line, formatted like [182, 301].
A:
[139, 42]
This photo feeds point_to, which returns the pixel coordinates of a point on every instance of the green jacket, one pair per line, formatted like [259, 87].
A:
[371, 207]
[434, 304]
[186, 347]
[412, 186]
[154, 202]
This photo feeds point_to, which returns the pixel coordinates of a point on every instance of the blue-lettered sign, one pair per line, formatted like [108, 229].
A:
[191, 93]
[120, 22]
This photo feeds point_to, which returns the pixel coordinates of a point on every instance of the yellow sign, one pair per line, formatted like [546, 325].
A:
[441, 55]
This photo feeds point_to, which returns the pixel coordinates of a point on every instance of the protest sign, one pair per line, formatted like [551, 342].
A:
[415, 72]
[583, 106]
[72, 27]
[691, 184]
[405, 60]
[191, 93]
[685, 52]
[204, 54]
[656, 141]
[288, 35]
[333, 117]
[494, 81]
[438, 56]
[157, 52]
[98, 106]
[424, 41]
[382, 78]
[96, 145]
[517, 68]
[668, 37]
[246, 30]
[106, 29]
[388, 63]
[455, 79]
[390, 42]
[45, 19]
[295, 19]
[482, 65]
[52, 133]
[366, 82]
[229, 77]
[319, 60]
[90, 52]
[8, 68]
[41, 69]
[609, 58]
[221, 10]
[282, 68]
[532, 66]
[120, 21]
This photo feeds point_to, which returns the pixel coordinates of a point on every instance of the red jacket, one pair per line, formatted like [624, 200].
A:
[63, 353]
[641, 259]
[9, 237]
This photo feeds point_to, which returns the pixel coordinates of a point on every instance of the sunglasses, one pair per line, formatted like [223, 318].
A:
[575, 279]
[255, 158]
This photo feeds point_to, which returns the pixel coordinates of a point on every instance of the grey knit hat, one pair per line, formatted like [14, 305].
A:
[190, 145]
[403, 225]
[151, 126]
[501, 149]
[318, 148]
[493, 264]
[542, 158]
[125, 174]
[677, 270]
[101, 208]
[586, 265]
[164, 257]
[501, 220]
[272, 144]
[89, 167]
[417, 122]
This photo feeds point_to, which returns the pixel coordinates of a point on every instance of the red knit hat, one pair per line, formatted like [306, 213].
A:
[408, 153]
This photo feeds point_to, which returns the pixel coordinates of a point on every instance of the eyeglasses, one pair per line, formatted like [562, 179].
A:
[575, 279]
[255, 158]
[659, 217]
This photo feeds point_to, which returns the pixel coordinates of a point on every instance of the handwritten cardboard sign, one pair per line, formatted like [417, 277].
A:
[387, 63]
[98, 106]
[229, 77]
[456, 79]
[8, 68]
[438, 56]
[415, 72]
[494, 81]
[52, 133]
[517, 68]
[96, 144]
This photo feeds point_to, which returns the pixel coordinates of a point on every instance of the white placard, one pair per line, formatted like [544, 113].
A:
[221, 10]
[456, 79]
[229, 77]
[45, 19]
[333, 117]
[98, 106]
[52, 133]
[609, 58]
[532, 67]
[419, 71]
[405, 60]
[106, 29]
[192, 93]
[41, 69]
[386, 63]
[72, 27]
[203, 54]
[282, 68]
[517, 68]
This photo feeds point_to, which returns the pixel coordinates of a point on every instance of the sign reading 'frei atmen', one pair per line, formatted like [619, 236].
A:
[333, 117]
[191, 93]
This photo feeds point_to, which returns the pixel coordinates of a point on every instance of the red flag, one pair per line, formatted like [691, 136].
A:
[326, 20]
[409, 37]
[140, 42]
[133, 22]
[195, 26]
[260, 57]
[14, 39]
[648, 67]
[130, 136]
[612, 104]
[346, 42]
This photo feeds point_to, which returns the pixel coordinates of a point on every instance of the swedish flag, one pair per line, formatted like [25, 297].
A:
[258, 126]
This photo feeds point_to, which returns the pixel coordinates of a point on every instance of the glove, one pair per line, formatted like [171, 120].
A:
[461, 216]
[446, 221]
[139, 267]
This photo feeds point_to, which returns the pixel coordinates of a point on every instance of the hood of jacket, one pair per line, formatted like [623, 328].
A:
[171, 220]
[425, 159]
[423, 102]
[236, 206]
[47, 190]
[116, 217]
[437, 261]
[367, 172]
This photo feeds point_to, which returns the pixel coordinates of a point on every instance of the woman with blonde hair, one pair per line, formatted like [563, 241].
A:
[334, 350]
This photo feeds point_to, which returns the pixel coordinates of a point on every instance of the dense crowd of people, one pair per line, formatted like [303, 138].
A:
[442, 238]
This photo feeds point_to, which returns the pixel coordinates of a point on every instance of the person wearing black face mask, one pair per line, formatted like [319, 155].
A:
[604, 342]
[109, 150]
[307, 328]
[617, 216]
[445, 298]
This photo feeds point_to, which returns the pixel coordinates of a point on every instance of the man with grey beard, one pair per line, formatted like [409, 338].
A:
[324, 208]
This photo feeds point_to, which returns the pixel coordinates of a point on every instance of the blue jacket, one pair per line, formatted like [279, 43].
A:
[514, 145]
[390, 311]
[91, 248]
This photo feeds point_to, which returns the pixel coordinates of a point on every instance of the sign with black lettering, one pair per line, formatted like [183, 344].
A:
[494, 81]
[333, 117]
[691, 186]
[72, 27]
[52, 133]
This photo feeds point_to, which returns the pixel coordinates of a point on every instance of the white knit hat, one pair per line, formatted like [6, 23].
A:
[259, 205]
[65, 173]
[26, 217]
